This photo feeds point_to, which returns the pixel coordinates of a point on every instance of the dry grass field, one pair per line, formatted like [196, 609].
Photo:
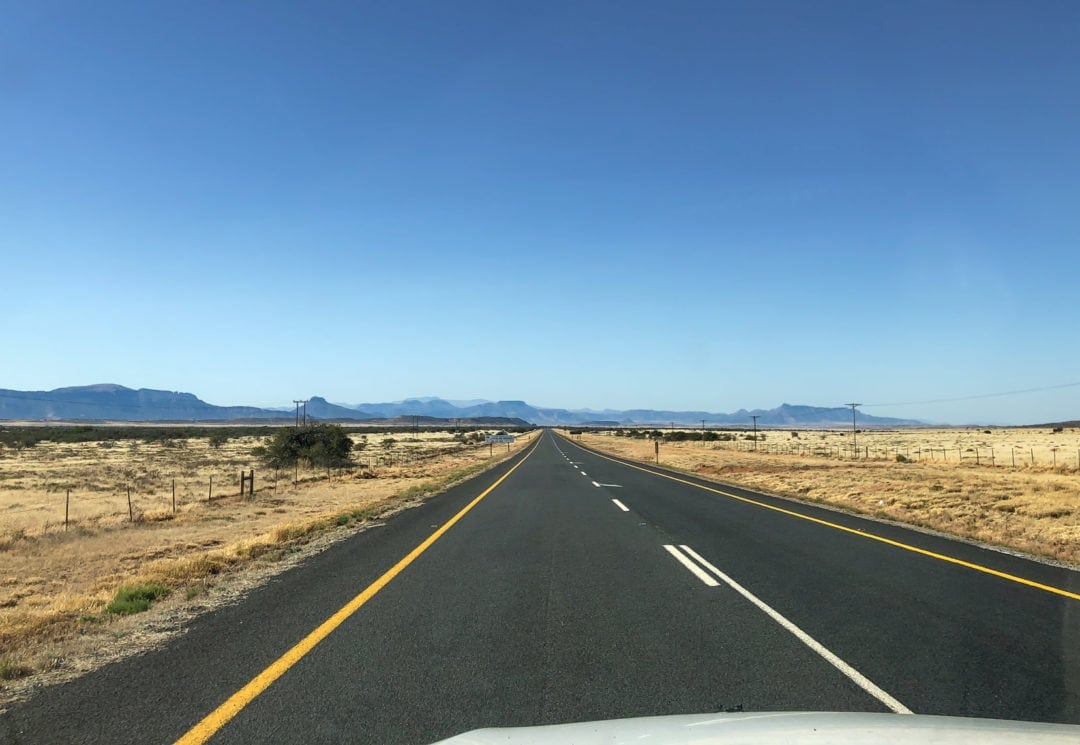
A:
[35, 482]
[55, 585]
[1030, 508]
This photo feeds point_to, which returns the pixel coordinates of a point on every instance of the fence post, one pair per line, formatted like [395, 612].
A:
[131, 513]
[67, 505]
[992, 461]
[976, 456]
[210, 494]
[174, 496]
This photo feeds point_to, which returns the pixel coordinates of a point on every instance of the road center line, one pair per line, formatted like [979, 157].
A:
[854, 531]
[856, 677]
[620, 505]
[694, 568]
[221, 716]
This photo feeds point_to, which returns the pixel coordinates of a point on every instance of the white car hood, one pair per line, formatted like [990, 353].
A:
[789, 728]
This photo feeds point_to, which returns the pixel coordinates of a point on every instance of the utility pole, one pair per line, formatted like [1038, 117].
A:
[754, 417]
[305, 412]
[703, 431]
[854, 435]
[297, 402]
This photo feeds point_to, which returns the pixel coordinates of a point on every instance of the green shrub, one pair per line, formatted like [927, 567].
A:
[131, 599]
[12, 670]
[316, 444]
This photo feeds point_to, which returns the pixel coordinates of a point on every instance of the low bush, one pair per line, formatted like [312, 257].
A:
[131, 599]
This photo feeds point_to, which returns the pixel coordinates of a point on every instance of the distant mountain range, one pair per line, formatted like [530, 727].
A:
[116, 403]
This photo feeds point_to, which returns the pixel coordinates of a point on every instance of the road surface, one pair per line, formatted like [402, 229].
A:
[580, 587]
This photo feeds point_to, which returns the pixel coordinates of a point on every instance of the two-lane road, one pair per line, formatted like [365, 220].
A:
[580, 587]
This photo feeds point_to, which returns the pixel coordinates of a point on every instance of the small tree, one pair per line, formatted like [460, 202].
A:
[316, 445]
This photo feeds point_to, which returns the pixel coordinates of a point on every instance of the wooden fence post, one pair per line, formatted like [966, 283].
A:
[67, 505]
[131, 513]
[210, 494]
[174, 496]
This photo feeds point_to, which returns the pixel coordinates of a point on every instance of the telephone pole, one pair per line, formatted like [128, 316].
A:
[702, 431]
[854, 435]
[754, 417]
[305, 412]
[297, 402]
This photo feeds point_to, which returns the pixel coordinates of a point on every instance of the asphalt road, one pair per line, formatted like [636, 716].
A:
[583, 588]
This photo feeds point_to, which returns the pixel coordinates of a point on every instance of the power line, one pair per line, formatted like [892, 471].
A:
[976, 397]
[854, 432]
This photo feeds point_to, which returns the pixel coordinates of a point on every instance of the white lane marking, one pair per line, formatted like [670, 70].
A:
[584, 474]
[595, 484]
[620, 505]
[613, 486]
[858, 678]
[694, 568]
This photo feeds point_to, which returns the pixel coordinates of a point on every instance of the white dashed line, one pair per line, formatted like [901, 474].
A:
[854, 675]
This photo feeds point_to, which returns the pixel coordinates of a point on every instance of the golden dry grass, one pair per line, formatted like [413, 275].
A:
[54, 585]
[34, 482]
[1034, 509]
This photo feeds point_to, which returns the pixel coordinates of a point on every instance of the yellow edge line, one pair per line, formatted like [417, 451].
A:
[220, 716]
[853, 531]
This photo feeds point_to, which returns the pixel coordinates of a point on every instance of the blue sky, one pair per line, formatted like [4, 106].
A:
[608, 205]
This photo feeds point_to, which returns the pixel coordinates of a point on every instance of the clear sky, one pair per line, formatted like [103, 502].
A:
[680, 205]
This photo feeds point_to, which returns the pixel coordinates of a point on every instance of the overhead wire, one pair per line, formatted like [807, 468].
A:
[1001, 394]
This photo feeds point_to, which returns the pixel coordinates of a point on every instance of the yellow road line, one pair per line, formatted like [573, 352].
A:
[853, 531]
[220, 716]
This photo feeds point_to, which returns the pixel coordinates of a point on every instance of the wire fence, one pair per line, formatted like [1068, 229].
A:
[58, 507]
[1015, 457]
[998, 455]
